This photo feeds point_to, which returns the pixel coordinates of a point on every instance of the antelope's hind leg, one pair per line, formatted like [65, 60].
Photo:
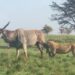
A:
[47, 48]
[40, 47]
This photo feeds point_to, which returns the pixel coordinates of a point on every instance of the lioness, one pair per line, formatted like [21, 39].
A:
[56, 47]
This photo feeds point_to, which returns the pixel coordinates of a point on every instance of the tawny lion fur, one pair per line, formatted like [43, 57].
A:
[56, 47]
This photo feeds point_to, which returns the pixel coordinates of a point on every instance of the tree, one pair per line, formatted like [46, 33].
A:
[46, 29]
[65, 30]
[65, 13]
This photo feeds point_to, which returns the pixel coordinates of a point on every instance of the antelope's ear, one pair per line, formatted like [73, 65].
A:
[6, 25]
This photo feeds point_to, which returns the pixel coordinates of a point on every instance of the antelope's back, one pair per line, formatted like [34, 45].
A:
[26, 36]
[40, 36]
[30, 36]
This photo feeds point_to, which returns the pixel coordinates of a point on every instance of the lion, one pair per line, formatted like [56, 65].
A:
[56, 47]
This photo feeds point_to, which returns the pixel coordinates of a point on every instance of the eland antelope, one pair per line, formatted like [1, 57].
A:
[23, 38]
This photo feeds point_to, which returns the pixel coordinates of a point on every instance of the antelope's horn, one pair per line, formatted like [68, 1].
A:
[5, 25]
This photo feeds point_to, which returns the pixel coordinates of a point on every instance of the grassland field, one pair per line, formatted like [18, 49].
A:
[61, 64]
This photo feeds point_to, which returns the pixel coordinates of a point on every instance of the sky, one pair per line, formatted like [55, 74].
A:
[27, 14]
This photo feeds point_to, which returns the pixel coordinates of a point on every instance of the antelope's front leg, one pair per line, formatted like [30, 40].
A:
[25, 50]
[17, 53]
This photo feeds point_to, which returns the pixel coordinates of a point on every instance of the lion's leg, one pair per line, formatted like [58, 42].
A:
[53, 51]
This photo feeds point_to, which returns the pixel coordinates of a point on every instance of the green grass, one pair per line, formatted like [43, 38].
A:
[61, 64]
[62, 38]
